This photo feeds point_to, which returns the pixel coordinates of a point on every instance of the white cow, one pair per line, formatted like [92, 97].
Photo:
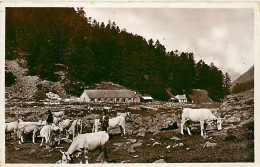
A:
[125, 115]
[45, 132]
[65, 125]
[96, 125]
[11, 127]
[75, 128]
[27, 127]
[112, 123]
[84, 143]
[56, 120]
[199, 115]
[58, 114]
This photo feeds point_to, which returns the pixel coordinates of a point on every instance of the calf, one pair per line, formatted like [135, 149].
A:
[84, 143]
[199, 115]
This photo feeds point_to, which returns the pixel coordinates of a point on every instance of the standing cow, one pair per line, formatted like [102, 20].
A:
[199, 115]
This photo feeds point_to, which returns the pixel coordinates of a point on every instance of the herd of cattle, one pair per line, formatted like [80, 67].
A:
[66, 129]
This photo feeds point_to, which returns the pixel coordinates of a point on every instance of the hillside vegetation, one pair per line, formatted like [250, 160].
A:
[62, 40]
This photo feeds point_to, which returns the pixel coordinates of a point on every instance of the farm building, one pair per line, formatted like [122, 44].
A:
[181, 98]
[146, 99]
[112, 96]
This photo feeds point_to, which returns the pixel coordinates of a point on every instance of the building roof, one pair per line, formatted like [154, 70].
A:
[94, 94]
[181, 96]
[147, 98]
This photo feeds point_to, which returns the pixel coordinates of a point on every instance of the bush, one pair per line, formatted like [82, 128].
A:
[40, 95]
[230, 138]
[249, 136]
[9, 79]
[249, 126]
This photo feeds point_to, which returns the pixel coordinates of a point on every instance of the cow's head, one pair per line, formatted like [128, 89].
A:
[128, 115]
[54, 127]
[66, 158]
[218, 123]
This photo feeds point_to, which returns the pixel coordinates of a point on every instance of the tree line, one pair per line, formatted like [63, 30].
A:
[54, 39]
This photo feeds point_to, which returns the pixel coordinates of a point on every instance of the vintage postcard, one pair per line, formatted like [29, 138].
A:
[129, 83]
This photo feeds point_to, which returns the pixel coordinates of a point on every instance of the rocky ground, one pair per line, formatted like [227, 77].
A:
[145, 140]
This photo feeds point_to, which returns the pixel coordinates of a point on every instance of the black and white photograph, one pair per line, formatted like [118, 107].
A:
[129, 84]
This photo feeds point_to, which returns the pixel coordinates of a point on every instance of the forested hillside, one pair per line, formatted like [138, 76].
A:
[89, 52]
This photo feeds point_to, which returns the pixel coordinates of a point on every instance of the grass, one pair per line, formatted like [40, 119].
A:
[228, 148]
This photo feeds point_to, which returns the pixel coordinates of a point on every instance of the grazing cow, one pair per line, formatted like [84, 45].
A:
[11, 127]
[84, 143]
[27, 127]
[58, 114]
[45, 132]
[199, 115]
[75, 128]
[112, 123]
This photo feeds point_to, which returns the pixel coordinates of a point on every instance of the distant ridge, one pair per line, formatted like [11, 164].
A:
[247, 76]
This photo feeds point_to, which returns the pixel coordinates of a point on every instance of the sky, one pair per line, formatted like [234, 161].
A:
[222, 36]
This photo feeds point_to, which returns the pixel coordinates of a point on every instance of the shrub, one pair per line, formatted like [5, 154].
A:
[249, 136]
[9, 79]
[230, 138]
[249, 126]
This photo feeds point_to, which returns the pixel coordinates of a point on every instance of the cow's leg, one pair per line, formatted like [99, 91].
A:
[14, 134]
[21, 137]
[205, 127]
[33, 138]
[182, 123]
[101, 156]
[85, 155]
[42, 141]
[123, 127]
[81, 155]
[188, 127]
[105, 151]
[201, 128]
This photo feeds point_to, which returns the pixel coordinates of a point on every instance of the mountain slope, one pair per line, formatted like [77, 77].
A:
[247, 76]
[244, 82]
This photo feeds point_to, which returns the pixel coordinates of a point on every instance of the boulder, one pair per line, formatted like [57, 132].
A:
[159, 161]
[142, 134]
[208, 144]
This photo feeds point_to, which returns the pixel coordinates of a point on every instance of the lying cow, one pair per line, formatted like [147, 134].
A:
[27, 127]
[84, 143]
[112, 123]
[11, 127]
[199, 115]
